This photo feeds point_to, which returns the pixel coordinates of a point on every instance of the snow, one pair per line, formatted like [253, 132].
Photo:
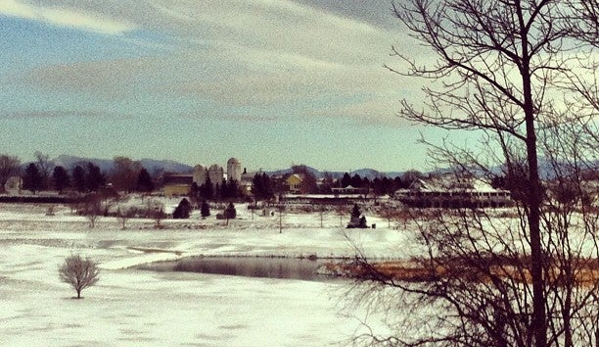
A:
[132, 307]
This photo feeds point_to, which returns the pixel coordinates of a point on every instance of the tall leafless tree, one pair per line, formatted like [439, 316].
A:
[92, 208]
[45, 167]
[9, 166]
[506, 71]
[125, 174]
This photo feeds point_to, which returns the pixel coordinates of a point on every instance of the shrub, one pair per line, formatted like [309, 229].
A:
[230, 212]
[205, 209]
[183, 210]
[79, 273]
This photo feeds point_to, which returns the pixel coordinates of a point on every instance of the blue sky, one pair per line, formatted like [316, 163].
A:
[271, 82]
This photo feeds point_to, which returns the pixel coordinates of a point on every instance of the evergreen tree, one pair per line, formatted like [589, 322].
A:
[222, 190]
[345, 180]
[363, 223]
[398, 183]
[356, 213]
[61, 179]
[79, 178]
[207, 190]
[183, 210]
[356, 181]
[230, 212]
[217, 191]
[378, 186]
[144, 181]
[357, 220]
[33, 179]
[257, 186]
[205, 209]
[229, 189]
[94, 178]
[365, 183]
[262, 187]
[194, 193]
[387, 186]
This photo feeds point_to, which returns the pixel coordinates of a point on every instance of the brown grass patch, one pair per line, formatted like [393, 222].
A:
[581, 272]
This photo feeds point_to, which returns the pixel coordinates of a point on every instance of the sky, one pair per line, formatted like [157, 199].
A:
[270, 82]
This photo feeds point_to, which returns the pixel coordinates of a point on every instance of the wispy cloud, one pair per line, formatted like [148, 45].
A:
[266, 57]
[58, 114]
[239, 116]
[64, 17]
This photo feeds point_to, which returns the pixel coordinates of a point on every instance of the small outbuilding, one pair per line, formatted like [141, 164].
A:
[13, 185]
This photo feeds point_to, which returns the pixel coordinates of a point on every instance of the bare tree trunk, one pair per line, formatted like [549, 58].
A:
[534, 216]
[496, 64]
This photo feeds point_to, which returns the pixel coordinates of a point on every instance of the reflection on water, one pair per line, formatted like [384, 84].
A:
[302, 269]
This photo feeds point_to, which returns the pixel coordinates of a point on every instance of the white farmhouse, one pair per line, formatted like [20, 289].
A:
[450, 192]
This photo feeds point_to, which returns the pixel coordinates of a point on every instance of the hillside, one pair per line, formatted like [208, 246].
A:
[155, 167]
[106, 165]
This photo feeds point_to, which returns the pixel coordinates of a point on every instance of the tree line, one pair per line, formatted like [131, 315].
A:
[40, 175]
[265, 187]
[225, 190]
[130, 176]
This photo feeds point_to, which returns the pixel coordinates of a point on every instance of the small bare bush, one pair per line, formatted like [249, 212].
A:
[79, 273]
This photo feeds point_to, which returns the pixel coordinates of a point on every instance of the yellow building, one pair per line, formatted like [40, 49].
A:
[177, 184]
[294, 182]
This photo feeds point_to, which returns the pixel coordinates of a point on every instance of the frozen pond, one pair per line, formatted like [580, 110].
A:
[280, 268]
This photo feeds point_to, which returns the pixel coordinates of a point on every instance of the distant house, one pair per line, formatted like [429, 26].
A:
[294, 182]
[451, 192]
[177, 184]
[349, 190]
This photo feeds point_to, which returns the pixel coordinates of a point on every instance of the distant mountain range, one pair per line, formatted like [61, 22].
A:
[153, 166]
[364, 173]
[158, 166]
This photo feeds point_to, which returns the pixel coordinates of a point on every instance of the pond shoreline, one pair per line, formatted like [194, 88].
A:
[279, 267]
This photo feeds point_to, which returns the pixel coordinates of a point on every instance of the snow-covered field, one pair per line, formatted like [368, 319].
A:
[131, 307]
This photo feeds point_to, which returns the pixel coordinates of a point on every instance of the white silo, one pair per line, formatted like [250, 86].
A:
[200, 174]
[216, 174]
[234, 170]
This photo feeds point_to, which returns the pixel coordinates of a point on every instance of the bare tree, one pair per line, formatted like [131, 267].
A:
[32, 179]
[280, 208]
[158, 216]
[9, 166]
[45, 167]
[125, 174]
[155, 210]
[341, 210]
[390, 212]
[92, 208]
[500, 71]
[79, 273]
[124, 214]
[322, 210]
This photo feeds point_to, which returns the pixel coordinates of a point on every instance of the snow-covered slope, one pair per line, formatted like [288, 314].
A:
[131, 307]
